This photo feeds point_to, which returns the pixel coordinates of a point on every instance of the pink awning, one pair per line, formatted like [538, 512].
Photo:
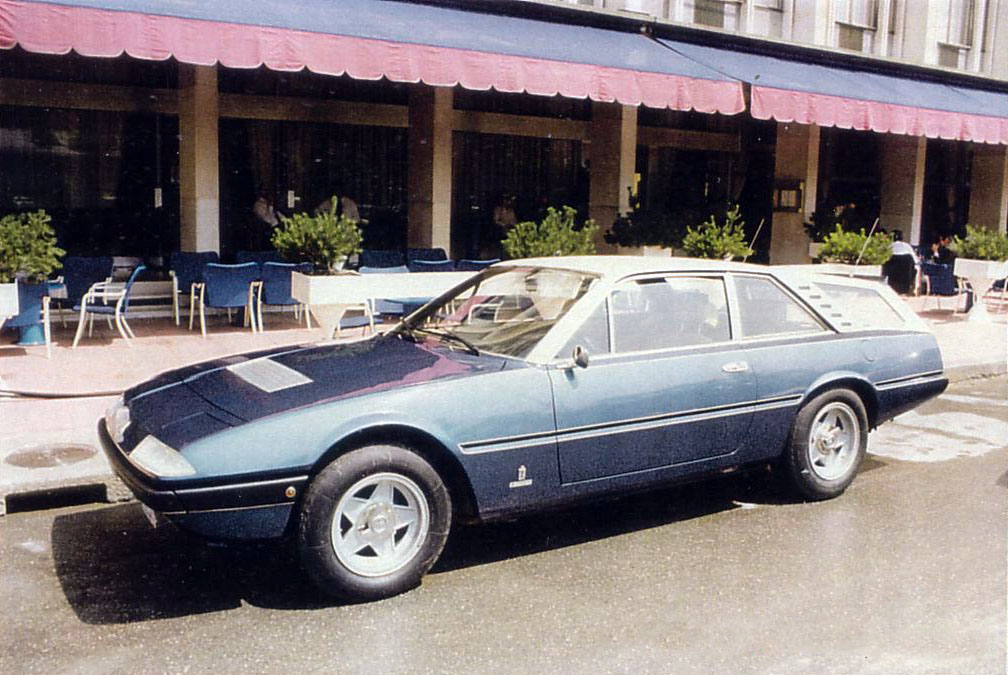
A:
[415, 45]
[853, 113]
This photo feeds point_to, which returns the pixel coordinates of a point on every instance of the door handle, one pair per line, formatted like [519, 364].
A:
[735, 367]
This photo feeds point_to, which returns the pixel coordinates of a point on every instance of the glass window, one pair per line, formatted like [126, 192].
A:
[503, 310]
[717, 13]
[765, 309]
[960, 22]
[863, 308]
[668, 313]
[592, 336]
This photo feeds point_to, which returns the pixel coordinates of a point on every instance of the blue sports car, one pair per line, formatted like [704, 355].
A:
[534, 384]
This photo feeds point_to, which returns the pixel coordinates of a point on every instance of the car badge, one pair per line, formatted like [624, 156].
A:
[522, 480]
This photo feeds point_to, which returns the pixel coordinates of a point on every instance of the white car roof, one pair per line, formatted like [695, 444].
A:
[618, 266]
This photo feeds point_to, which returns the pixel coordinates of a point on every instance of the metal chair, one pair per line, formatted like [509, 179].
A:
[371, 257]
[227, 287]
[79, 273]
[274, 287]
[186, 270]
[257, 257]
[96, 301]
[426, 254]
[940, 281]
[431, 266]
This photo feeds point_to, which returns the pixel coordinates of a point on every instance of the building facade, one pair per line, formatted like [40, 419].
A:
[146, 127]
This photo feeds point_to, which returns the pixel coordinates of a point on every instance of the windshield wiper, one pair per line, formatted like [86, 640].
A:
[470, 347]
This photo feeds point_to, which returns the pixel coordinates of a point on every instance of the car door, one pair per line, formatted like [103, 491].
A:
[669, 387]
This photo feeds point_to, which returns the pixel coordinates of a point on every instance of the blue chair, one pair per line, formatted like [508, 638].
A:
[258, 257]
[79, 273]
[97, 302]
[228, 287]
[274, 287]
[428, 254]
[33, 308]
[432, 266]
[940, 281]
[466, 265]
[186, 269]
[370, 257]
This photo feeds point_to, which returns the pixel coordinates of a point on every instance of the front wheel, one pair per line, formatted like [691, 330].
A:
[828, 443]
[373, 522]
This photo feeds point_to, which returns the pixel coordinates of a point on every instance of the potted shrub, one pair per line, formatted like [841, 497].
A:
[28, 256]
[855, 252]
[640, 231]
[981, 257]
[713, 240]
[324, 239]
[557, 234]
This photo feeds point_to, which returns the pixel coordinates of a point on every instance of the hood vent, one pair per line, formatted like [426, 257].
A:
[268, 375]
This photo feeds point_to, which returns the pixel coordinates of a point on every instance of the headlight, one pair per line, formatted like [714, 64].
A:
[160, 459]
[117, 419]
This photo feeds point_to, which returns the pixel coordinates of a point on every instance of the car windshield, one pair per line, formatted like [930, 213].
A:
[503, 310]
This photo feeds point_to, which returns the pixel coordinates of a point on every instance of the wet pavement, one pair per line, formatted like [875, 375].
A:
[905, 573]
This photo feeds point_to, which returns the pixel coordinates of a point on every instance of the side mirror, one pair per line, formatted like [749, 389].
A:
[580, 357]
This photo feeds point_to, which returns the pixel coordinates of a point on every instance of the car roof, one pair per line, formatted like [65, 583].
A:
[619, 266]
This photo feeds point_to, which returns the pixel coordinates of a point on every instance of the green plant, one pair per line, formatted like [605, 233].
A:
[846, 247]
[646, 228]
[711, 240]
[981, 244]
[555, 235]
[28, 247]
[323, 240]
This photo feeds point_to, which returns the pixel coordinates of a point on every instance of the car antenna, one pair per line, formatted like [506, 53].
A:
[761, 221]
[858, 261]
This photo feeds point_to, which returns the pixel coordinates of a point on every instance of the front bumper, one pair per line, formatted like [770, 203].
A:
[248, 510]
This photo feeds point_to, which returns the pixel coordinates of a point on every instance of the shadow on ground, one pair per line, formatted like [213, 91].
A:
[114, 568]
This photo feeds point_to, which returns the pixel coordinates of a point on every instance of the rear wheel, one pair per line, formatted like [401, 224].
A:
[373, 522]
[828, 443]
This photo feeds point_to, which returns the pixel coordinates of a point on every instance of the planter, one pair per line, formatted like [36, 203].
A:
[815, 248]
[646, 251]
[981, 274]
[329, 297]
[28, 320]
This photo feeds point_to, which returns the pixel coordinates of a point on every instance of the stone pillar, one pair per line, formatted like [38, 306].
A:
[612, 153]
[199, 194]
[430, 167]
[796, 160]
[903, 184]
[989, 187]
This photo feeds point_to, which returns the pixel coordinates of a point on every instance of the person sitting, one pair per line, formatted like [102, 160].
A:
[940, 252]
[901, 268]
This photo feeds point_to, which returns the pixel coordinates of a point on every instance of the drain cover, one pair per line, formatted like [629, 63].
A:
[50, 455]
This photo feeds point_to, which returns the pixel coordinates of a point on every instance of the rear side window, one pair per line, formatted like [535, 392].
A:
[765, 309]
[669, 313]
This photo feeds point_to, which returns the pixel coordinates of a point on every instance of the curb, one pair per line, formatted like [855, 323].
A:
[53, 491]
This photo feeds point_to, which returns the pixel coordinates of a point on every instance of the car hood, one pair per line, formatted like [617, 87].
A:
[242, 388]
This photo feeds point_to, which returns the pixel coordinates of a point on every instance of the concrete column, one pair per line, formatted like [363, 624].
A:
[430, 167]
[903, 184]
[613, 154]
[796, 159]
[199, 192]
[989, 187]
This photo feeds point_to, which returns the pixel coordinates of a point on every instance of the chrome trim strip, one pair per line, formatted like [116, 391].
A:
[239, 486]
[231, 508]
[626, 425]
[922, 378]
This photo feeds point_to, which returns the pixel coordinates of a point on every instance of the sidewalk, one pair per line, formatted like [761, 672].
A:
[49, 444]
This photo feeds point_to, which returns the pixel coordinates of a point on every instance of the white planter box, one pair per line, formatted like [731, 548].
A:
[981, 274]
[646, 251]
[815, 248]
[8, 301]
[329, 297]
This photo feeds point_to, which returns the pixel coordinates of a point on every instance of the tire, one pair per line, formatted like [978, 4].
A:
[828, 443]
[372, 523]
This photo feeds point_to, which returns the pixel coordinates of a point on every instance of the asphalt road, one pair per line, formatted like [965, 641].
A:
[905, 573]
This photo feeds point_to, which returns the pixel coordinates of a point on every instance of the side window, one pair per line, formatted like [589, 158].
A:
[593, 335]
[765, 309]
[667, 313]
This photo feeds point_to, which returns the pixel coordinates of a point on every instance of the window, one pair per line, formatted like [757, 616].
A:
[767, 18]
[953, 51]
[765, 309]
[717, 13]
[856, 23]
[669, 313]
[592, 336]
